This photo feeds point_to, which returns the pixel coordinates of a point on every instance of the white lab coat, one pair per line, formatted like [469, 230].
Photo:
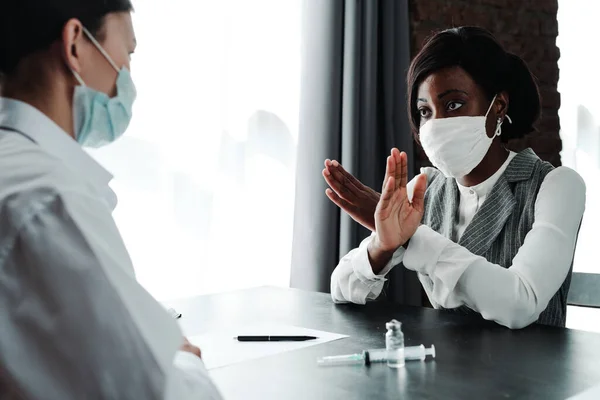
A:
[74, 322]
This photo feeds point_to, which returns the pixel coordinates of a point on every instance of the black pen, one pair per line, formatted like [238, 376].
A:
[274, 338]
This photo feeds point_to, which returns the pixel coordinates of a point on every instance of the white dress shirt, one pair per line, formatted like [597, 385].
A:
[74, 322]
[472, 198]
[452, 276]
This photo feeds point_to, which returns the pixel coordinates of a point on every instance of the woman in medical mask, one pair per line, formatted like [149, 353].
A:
[74, 323]
[488, 230]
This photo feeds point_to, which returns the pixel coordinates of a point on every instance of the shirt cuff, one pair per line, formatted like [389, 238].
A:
[189, 363]
[441, 260]
[424, 250]
[364, 270]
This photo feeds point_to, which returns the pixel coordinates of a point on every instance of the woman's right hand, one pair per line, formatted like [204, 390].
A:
[349, 194]
[356, 199]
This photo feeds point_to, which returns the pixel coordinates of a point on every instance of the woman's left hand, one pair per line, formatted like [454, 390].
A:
[397, 218]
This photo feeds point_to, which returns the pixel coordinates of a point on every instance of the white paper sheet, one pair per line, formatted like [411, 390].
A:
[219, 348]
[590, 394]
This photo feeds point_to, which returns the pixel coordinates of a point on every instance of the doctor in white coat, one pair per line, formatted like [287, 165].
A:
[74, 323]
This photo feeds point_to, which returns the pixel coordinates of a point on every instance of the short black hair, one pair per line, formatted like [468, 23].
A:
[27, 26]
[478, 52]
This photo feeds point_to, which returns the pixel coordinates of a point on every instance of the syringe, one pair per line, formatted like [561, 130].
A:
[368, 357]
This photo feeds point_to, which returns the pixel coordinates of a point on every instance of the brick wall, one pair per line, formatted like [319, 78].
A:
[527, 28]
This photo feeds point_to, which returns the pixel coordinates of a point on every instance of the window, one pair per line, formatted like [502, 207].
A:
[205, 173]
[580, 115]
[580, 129]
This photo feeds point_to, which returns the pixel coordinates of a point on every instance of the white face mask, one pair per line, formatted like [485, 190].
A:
[457, 145]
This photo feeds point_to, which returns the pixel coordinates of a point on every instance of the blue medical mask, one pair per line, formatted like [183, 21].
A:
[98, 118]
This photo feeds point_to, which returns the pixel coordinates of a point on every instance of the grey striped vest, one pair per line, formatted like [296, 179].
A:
[499, 227]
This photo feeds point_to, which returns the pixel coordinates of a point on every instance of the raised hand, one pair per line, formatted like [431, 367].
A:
[396, 218]
[351, 195]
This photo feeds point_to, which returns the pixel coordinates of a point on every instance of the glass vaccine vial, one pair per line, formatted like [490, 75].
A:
[394, 344]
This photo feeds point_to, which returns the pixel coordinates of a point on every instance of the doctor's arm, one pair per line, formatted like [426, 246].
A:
[66, 330]
[514, 297]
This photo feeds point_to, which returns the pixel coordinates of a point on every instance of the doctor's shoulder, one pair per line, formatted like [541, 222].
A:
[30, 178]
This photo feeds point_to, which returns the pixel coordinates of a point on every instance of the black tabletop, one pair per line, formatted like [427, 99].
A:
[476, 359]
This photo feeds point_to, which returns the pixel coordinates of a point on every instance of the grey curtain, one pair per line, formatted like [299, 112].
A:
[355, 54]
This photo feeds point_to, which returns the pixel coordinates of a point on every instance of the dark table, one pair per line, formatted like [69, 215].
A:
[476, 359]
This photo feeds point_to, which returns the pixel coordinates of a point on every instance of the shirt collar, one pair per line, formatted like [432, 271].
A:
[483, 188]
[27, 120]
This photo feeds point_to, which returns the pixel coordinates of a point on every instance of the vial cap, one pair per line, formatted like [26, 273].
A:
[393, 325]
